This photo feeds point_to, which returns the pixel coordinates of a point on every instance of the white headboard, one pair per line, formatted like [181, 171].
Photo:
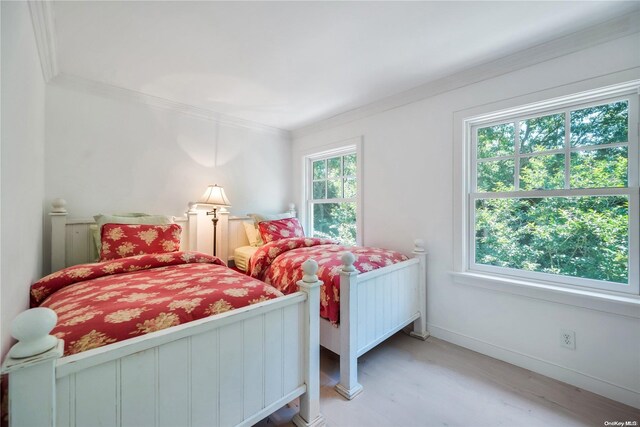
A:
[232, 235]
[72, 239]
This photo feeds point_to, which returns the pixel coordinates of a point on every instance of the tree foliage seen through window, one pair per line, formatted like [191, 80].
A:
[583, 235]
[333, 204]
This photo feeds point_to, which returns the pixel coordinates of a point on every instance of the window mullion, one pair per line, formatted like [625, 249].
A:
[472, 232]
[567, 149]
[474, 160]
[516, 165]
[575, 192]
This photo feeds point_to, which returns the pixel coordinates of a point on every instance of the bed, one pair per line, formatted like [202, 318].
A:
[226, 366]
[373, 304]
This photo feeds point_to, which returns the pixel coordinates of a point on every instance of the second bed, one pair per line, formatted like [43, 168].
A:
[368, 294]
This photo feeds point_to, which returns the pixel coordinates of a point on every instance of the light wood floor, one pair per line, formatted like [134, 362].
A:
[408, 382]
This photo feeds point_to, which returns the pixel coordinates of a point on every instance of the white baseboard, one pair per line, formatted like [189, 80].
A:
[549, 369]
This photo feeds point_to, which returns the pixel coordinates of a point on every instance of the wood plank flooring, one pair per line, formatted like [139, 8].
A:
[408, 382]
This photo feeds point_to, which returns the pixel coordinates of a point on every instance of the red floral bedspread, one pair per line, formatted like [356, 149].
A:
[98, 304]
[279, 263]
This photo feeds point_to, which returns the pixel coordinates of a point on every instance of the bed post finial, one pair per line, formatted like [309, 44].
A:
[31, 328]
[58, 205]
[418, 245]
[310, 268]
[348, 259]
[292, 209]
[31, 367]
[309, 415]
[192, 207]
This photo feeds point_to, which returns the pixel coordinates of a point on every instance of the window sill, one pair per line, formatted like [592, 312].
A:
[622, 305]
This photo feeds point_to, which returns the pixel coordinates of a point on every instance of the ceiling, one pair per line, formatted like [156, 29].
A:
[290, 64]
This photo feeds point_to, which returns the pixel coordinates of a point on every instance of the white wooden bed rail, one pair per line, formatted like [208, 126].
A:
[230, 369]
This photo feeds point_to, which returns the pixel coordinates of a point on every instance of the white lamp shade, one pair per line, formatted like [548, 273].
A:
[214, 195]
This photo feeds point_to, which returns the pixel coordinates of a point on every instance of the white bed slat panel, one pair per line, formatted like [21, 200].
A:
[292, 363]
[231, 375]
[379, 317]
[402, 296]
[253, 365]
[204, 379]
[63, 402]
[369, 319]
[371, 310]
[388, 304]
[274, 362]
[174, 397]
[138, 398]
[79, 244]
[388, 320]
[362, 312]
[396, 307]
[95, 395]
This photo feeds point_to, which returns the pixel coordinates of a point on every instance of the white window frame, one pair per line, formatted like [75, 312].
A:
[353, 145]
[565, 104]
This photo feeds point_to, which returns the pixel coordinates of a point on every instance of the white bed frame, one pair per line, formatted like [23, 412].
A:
[234, 368]
[373, 305]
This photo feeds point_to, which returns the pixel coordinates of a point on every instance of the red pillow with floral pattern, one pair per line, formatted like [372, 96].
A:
[123, 240]
[280, 229]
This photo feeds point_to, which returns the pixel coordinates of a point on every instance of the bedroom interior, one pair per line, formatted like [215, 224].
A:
[408, 126]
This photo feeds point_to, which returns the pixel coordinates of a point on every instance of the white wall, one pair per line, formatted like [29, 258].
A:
[408, 193]
[22, 164]
[107, 154]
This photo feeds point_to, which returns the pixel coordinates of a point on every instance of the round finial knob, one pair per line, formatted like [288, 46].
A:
[418, 245]
[292, 206]
[31, 328]
[58, 205]
[310, 268]
[348, 259]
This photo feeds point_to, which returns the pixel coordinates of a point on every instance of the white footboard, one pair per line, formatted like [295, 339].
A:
[231, 369]
[374, 306]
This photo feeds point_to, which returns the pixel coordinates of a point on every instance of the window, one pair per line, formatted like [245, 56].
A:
[553, 193]
[332, 194]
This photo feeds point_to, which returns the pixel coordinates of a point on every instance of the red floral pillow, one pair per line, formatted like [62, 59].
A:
[280, 229]
[123, 240]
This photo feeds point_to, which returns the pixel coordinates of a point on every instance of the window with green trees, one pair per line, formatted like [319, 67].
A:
[332, 196]
[554, 195]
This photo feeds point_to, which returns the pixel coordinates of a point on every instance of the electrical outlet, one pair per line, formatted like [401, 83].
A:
[568, 338]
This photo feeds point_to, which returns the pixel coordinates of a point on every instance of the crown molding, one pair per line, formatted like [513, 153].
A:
[44, 30]
[73, 82]
[597, 34]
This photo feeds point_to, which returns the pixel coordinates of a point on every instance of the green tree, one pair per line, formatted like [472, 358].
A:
[581, 236]
[335, 221]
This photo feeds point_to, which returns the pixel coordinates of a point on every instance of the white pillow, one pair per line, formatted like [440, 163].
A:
[252, 233]
[258, 218]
